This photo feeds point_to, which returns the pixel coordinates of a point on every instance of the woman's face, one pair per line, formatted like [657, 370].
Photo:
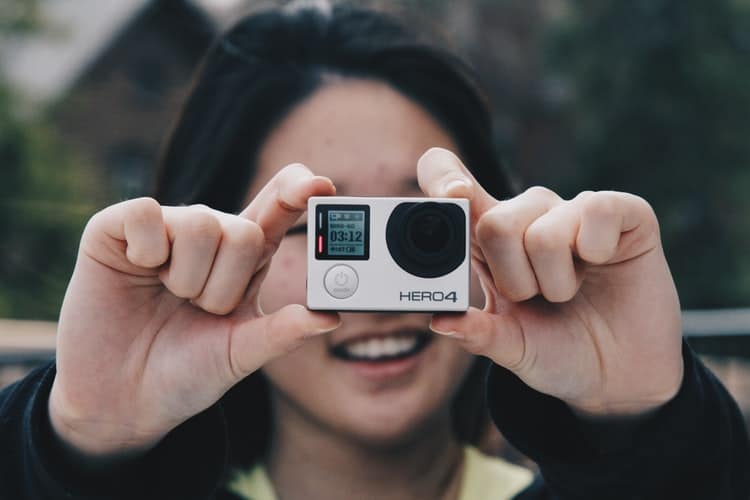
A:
[367, 138]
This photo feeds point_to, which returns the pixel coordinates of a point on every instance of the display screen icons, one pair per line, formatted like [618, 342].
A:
[342, 232]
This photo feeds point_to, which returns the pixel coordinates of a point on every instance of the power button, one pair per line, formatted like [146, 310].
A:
[341, 281]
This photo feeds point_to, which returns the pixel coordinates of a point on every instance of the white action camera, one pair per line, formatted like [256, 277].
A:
[387, 254]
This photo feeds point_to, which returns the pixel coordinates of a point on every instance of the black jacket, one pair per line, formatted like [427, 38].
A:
[695, 447]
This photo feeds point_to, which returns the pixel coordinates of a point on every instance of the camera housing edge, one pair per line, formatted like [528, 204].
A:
[388, 254]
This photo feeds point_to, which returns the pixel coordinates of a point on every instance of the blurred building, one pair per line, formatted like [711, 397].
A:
[112, 87]
[122, 103]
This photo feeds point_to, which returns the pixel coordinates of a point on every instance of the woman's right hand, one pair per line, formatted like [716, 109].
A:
[161, 316]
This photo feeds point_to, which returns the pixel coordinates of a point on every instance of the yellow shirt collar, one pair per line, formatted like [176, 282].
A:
[484, 478]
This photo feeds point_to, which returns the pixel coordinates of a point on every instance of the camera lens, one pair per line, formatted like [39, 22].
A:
[427, 239]
[428, 232]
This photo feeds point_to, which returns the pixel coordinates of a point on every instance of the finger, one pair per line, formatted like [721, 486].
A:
[195, 234]
[284, 198]
[614, 227]
[236, 261]
[549, 243]
[255, 342]
[500, 236]
[138, 223]
[441, 174]
[496, 336]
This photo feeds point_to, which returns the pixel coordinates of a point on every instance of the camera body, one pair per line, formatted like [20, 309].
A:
[387, 254]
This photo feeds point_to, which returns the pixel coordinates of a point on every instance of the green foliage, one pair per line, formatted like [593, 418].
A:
[42, 201]
[45, 196]
[662, 109]
[18, 16]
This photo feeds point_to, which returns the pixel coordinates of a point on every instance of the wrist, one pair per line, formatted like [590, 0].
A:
[614, 412]
[91, 443]
[619, 410]
[634, 400]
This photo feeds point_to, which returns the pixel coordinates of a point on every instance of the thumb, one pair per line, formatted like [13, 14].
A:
[255, 342]
[495, 336]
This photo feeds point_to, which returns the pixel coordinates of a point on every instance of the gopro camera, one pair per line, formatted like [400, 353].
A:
[387, 254]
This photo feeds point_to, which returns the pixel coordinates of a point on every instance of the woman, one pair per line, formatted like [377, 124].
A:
[187, 367]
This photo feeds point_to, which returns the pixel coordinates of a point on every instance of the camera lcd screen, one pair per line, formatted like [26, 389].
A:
[343, 232]
[346, 232]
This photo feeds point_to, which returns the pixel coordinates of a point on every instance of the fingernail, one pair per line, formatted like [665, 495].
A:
[320, 178]
[446, 333]
[456, 184]
[330, 328]
[326, 180]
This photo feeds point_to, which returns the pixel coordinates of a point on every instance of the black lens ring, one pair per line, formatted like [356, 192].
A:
[415, 261]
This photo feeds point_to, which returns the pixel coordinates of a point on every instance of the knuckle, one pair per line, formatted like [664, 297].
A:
[245, 235]
[202, 207]
[584, 195]
[142, 210]
[644, 207]
[499, 222]
[601, 204]
[202, 224]
[540, 238]
[541, 193]
[95, 222]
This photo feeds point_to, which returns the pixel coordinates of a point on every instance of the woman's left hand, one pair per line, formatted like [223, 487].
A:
[579, 300]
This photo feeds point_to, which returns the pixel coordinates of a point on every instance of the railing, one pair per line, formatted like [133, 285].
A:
[25, 342]
[716, 322]
[722, 337]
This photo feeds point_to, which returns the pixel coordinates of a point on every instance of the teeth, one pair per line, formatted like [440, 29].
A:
[381, 347]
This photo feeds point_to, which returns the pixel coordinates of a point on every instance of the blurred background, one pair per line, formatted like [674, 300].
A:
[646, 96]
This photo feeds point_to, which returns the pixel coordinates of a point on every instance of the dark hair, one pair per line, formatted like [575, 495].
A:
[255, 73]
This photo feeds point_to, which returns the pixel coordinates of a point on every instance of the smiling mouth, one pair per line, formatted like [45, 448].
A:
[383, 348]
